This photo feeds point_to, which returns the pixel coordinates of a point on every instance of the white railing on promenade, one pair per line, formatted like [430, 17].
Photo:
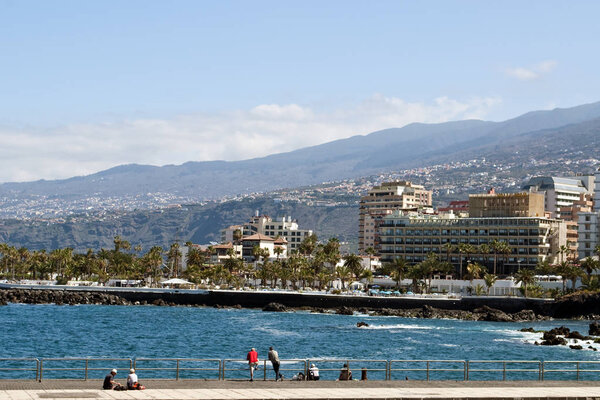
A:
[237, 369]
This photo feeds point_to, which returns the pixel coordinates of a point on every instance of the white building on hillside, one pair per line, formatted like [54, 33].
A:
[285, 228]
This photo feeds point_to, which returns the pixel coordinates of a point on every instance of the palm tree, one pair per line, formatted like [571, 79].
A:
[484, 250]
[396, 269]
[278, 250]
[562, 250]
[370, 251]
[464, 248]
[354, 264]
[589, 265]
[151, 262]
[526, 277]
[415, 274]
[490, 280]
[474, 271]
[343, 273]
[449, 248]
[174, 259]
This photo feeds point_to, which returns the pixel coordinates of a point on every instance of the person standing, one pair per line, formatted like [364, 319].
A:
[252, 358]
[274, 358]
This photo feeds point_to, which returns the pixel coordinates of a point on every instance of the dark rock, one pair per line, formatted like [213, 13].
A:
[561, 330]
[492, 314]
[527, 330]
[576, 347]
[525, 315]
[344, 310]
[277, 307]
[575, 335]
[551, 339]
[595, 329]
[361, 323]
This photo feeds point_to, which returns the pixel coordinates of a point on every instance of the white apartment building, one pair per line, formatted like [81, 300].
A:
[588, 225]
[587, 233]
[284, 227]
[560, 191]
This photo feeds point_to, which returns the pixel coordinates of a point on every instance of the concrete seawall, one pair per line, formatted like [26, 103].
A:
[251, 299]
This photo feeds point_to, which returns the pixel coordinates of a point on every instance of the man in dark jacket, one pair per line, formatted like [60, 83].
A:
[274, 358]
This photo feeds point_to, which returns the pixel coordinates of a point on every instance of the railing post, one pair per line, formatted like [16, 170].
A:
[503, 370]
[37, 369]
[86, 369]
[427, 370]
[543, 367]
[387, 370]
[177, 371]
[264, 370]
[577, 370]
[41, 368]
[467, 370]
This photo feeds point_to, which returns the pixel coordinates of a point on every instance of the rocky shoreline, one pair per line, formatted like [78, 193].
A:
[483, 313]
[567, 308]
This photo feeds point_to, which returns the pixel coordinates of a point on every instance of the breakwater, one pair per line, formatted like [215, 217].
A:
[478, 308]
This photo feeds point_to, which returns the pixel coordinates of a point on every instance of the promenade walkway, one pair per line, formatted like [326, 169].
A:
[218, 390]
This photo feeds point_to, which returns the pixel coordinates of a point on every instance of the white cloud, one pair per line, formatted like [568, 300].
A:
[28, 154]
[534, 72]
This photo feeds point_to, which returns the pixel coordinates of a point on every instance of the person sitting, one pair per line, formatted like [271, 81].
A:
[109, 382]
[132, 381]
[345, 373]
[313, 373]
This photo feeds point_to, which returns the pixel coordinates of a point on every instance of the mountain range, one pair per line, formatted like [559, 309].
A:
[560, 142]
[413, 145]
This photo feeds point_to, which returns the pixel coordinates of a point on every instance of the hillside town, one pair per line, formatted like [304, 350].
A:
[541, 241]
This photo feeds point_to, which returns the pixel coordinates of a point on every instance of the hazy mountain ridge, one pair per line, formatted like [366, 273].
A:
[507, 165]
[346, 158]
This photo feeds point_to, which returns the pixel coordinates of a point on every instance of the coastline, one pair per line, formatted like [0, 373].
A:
[501, 309]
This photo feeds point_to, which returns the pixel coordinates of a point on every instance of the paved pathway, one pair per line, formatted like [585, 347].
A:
[184, 390]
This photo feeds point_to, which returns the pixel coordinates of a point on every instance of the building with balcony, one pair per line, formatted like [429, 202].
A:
[560, 191]
[413, 237]
[285, 228]
[381, 201]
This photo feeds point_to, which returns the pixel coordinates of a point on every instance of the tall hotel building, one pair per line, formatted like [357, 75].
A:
[517, 219]
[382, 200]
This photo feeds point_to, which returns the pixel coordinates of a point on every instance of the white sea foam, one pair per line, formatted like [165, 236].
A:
[398, 326]
[275, 331]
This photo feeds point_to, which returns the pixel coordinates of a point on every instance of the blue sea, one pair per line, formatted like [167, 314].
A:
[138, 332]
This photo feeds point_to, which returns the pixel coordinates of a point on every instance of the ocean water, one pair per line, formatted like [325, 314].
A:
[137, 332]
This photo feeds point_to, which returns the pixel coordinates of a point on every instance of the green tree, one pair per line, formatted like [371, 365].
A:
[490, 280]
[354, 264]
[174, 259]
[526, 277]
[396, 270]
[464, 248]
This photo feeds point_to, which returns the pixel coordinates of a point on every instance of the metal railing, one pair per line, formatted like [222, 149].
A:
[332, 368]
[20, 365]
[237, 369]
[184, 368]
[456, 369]
[504, 366]
[80, 368]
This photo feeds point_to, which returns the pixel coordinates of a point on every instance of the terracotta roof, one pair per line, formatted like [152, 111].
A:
[258, 236]
[280, 240]
[227, 245]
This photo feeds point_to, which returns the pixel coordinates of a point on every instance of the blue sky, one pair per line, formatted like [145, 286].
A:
[92, 84]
